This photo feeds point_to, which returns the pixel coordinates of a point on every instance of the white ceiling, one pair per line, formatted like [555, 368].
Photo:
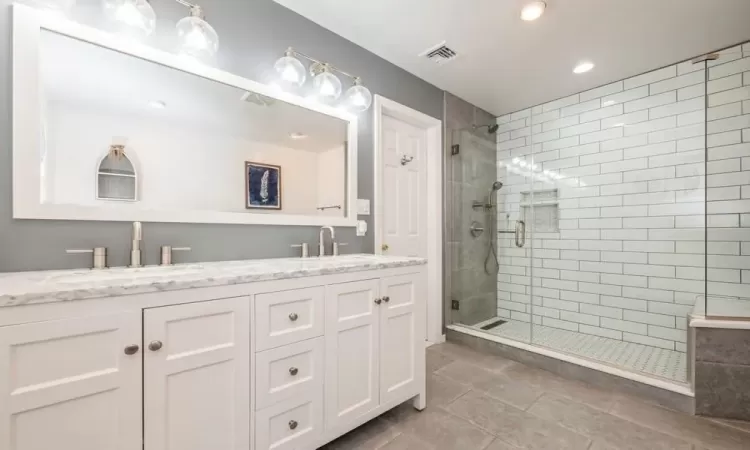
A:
[121, 84]
[506, 64]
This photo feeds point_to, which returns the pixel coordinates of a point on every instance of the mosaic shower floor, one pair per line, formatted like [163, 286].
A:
[653, 361]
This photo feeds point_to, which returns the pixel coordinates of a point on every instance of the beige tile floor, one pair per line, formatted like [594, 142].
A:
[484, 402]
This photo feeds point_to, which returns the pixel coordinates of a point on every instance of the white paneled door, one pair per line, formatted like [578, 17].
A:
[196, 372]
[352, 355]
[404, 181]
[72, 384]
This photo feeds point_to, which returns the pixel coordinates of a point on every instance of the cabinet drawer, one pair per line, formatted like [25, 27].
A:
[291, 425]
[288, 316]
[291, 371]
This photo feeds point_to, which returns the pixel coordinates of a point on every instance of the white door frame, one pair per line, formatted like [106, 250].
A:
[433, 127]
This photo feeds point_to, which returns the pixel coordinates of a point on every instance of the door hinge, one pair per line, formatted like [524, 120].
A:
[455, 305]
[455, 149]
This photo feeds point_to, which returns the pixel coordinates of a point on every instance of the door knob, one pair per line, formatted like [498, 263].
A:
[293, 317]
[155, 345]
[378, 301]
[293, 371]
[386, 299]
[292, 424]
[131, 349]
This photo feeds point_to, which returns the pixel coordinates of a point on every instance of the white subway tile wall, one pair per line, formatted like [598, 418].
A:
[628, 160]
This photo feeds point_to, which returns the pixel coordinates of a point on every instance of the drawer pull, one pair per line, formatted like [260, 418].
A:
[293, 371]
[131, 349]
[292, 424]
[378, 301]
[386, 299]
[293, 317]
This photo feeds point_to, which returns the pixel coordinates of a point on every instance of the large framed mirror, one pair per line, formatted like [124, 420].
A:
[107, 129]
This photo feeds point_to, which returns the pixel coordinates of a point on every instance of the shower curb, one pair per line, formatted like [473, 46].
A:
[668, 398]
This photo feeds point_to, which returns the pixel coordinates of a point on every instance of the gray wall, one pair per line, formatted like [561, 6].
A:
[253, 34]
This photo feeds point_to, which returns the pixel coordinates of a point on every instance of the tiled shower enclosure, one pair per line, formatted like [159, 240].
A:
[636, 201]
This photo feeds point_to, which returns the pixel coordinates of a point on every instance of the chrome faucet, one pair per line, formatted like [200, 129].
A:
[321, 241]
[135, 251]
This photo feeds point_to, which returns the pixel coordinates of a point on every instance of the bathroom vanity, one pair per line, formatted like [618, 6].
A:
[261, 354]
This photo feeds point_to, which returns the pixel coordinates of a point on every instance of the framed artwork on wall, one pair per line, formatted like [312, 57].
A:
[262, 186]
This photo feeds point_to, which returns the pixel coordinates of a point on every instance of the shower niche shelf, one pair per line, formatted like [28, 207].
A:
[546, 211]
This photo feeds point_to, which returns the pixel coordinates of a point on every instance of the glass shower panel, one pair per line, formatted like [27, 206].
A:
[474, 271]
[618, 206]
[728, 185]
[514, 165]
[471, 247]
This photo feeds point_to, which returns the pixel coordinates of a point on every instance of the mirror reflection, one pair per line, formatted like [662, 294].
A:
[121, 132]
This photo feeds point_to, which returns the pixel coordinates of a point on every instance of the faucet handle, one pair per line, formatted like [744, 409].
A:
[305, 249]
[99, 254]
[166, 253]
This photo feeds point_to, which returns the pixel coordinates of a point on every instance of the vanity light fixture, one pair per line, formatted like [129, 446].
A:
[292, 73]
[197, 39]
[358, 97]
[327, 86]
[533, 11]
[583, 67]
[132, 17]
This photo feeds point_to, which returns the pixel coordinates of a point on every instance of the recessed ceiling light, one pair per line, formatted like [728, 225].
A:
[157, 104]
[583, 67]
[297, 136]
[533, 11]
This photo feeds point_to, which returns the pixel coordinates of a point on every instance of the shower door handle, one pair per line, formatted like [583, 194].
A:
[520, 233]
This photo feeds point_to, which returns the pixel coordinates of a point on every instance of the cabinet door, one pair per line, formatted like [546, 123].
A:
[197, 376]
[69, 384]
[400, 338]
[352, 318]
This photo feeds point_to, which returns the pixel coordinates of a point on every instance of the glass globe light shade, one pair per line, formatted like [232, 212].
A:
[56, 6]
[358, 98]
[197, 38]
[327, 86]
[135, 18]
[291, 72]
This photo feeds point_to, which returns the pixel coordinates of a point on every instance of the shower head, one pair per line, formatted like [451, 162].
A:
[496, 186]
[491, 127]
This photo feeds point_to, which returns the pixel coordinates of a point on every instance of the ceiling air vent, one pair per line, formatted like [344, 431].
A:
[440, 53]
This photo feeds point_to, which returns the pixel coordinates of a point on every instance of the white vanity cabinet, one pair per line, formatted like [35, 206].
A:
[68, 384]
[373, 337]
[283, 364]
[172, 378]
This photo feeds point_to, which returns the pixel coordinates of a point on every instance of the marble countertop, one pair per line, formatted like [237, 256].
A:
[21, 288]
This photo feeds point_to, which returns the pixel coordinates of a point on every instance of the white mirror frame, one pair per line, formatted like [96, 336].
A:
[28, 25]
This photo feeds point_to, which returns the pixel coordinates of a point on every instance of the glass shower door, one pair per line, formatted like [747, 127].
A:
[728, 185]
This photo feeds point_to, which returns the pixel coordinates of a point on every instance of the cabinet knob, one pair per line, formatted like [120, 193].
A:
[132, 349]
[155, 345]
[293, 317]
[386, 299]
[293, 424]
[378, 301]
[293, 371]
